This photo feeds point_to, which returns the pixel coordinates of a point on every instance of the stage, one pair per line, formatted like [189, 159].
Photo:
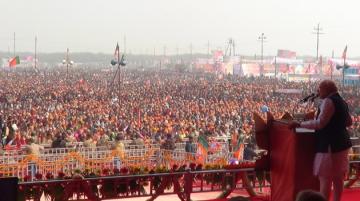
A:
[352, 194]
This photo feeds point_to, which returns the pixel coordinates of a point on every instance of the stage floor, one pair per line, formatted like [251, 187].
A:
[349, 195]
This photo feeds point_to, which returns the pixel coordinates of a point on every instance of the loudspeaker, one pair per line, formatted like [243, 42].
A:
[8, 188]
[113, 62]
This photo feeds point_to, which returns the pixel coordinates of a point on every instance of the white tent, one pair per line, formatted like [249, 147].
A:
[279, 60]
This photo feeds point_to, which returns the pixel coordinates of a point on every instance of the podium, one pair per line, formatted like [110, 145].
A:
[290, 156]
[291, 161]
[8, 188]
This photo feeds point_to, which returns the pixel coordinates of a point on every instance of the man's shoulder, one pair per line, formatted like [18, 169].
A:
[328, 101]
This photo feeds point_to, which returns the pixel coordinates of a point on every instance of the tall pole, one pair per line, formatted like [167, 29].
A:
[317, 41]
[317, 32]
[343, 73]
[116, 77]
[261, 39]
[119, 69]
[262, 50]
[67, 63]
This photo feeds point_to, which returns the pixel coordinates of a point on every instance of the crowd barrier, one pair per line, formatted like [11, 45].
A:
[55, 160]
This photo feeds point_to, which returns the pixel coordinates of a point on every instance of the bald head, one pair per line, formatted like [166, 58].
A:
[327, 87]
[310, 195]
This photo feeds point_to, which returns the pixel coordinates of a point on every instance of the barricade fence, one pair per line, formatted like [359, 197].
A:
[80, 147]
[69, 160]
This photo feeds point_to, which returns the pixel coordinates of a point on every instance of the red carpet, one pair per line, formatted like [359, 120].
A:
[349, 195]
[352, 194]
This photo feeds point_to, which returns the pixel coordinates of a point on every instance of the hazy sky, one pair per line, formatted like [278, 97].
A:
[96, 25]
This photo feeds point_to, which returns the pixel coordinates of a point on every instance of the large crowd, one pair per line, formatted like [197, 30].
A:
[90, 106]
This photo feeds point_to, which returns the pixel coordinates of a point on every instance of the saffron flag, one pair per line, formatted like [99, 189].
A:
[116, 54]
[239, 150]
[239, 153]
[344, 53]
[14, 61]
[202, 150]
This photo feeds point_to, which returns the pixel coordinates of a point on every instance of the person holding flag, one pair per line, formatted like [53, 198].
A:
[203, 147]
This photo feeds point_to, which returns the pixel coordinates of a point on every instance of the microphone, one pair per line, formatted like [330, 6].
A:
[310, 97]
[314, 97]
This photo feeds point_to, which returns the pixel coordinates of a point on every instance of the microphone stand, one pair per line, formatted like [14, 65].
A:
[307, 108]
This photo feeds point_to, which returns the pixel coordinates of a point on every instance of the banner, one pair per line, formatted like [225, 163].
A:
[286, 54]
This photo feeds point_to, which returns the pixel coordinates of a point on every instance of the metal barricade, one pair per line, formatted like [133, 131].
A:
[68, 160]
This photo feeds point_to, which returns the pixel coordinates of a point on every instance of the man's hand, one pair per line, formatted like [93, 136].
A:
[294, 124]
[310, 115]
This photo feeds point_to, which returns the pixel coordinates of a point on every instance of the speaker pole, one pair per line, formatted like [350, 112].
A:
[119, 69]
[113, 80]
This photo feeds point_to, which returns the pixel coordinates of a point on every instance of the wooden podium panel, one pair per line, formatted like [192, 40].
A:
[8, 188]
[291, 161]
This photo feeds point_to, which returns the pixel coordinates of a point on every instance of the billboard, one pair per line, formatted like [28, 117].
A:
[286, 54]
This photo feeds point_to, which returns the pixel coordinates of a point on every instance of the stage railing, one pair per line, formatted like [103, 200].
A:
[69, 160]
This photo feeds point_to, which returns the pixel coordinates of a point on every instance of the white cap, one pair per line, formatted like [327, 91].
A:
[14, 126]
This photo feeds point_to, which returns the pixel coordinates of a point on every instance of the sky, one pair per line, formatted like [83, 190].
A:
[150, 25]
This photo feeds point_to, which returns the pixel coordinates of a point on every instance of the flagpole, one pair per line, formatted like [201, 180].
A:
[343, 74]
[119, 81]
[343, 69]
